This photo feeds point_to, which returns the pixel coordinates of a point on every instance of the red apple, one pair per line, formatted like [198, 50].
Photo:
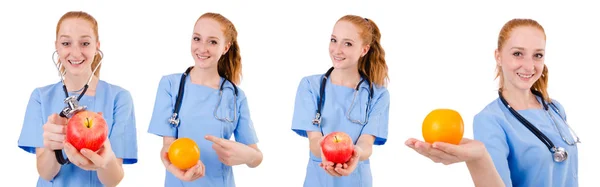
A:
[87, 129]
[337, 147]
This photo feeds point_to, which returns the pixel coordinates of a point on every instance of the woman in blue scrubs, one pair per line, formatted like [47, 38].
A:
[209, 111]
[43, 131]
[524, 131]
[354, 100]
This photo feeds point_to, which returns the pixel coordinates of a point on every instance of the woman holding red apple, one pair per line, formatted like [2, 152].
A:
[351, 104]
[112, 128]
[205, 105]
[522, 138]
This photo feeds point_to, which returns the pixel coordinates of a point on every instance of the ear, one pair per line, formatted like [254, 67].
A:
[98, 45]
[497, 57]
[365, 50]
[56, 45]
[226, 48]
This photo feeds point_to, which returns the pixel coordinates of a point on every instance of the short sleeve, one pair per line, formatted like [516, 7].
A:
[244, 132]
[123, 137]
[488, 130]
[163, 109]
[304, 110]
[31, 131]
[378, 119]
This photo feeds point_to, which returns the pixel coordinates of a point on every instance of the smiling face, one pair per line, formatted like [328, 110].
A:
[521, 58]
[208, 43]
[76, 45]
[346, 45]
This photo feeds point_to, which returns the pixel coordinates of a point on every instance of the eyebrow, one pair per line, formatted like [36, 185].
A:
[84, 36]
[213, 37]
[522, 48]
[343, 39]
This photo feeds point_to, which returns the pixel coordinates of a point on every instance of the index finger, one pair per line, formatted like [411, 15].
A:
[219, 141]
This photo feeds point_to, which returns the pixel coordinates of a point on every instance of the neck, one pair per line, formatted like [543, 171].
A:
[207, 77]
[520, 99]
[76, 82]
[345, 77]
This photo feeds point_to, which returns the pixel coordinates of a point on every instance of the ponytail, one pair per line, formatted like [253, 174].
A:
[373, 64]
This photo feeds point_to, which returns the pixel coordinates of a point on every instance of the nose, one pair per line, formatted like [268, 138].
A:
[201, 47]
[76, 52]
[336, 49]
[529, 64]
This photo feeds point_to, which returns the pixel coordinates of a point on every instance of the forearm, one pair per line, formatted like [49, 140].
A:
[256, 157]
[315, 148]
[47, 166]
[112, 174]
[366, 150]
[484, 173]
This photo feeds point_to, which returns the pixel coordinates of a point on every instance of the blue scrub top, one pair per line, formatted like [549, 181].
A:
[116, 106]
[197, 120]
[520, 157]
[337, 102]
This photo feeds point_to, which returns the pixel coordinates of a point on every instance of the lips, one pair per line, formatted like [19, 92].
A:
[201, 57]
[76, 62]
[339, 58]
[525, 75]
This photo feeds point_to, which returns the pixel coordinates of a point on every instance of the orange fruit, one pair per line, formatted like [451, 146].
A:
[443, 125]
[184, 153]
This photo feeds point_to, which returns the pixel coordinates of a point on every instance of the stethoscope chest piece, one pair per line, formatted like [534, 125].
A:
[174, 120]
[72, 107]
[560, 154]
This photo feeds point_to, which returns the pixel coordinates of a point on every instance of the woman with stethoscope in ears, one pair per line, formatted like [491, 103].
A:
[205, 104]
[78, 58]
[351, 97]
[523, 133]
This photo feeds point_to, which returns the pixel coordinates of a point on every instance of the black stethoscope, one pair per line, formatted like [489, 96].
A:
[559, 154]
[72, 102]
[174, 120]
[317, 119]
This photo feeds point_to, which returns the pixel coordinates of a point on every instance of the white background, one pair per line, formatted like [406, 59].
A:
[440, 55]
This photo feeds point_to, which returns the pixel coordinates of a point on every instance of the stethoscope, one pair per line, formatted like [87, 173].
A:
[559, 154]
[174, 120]
[72, 102]
[318, 117]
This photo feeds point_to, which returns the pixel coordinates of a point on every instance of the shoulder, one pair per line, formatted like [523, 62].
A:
[118, 93]
[492, 112]
[46, 91]
[381, 93]
[311, 81]
[560, 107]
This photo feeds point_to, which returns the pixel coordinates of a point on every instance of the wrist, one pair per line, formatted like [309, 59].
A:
[480, 161]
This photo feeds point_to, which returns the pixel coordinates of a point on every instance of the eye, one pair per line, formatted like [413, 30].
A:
[348, 44]
[213, 42]
[196, 39]
[539, 55]
[86, 43]
[517, 53]
[333, 40]
[65, 43]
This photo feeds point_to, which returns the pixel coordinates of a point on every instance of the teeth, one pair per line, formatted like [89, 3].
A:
[203, 57]
[338, 58]
[525, 76]
[76, 62]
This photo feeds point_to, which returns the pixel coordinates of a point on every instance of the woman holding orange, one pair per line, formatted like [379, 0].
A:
[523, 134]
[205, 105]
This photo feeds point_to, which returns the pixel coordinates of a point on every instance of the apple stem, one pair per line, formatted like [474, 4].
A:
[336, 139]
[88, 123]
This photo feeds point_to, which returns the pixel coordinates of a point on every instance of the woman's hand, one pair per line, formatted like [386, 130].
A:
[347, 168]
[54, 133]
[189, 175]
[440, 152]
[232, 153]
[90, 160]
